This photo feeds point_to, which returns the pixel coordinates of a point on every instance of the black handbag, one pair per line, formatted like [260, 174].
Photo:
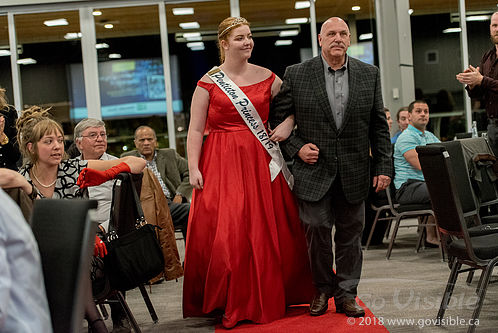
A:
[134, 257]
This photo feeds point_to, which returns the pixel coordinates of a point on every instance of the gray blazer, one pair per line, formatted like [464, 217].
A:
[343, 151]
[173, 169]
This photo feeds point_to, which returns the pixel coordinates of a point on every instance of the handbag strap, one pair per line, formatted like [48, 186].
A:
[140, 219]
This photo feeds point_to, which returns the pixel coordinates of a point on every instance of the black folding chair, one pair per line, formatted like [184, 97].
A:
[479, 252]
[65, 237]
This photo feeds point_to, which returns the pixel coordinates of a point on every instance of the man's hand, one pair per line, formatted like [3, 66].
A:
[381, 182]
[308, 153]
[471, 77]
[178, 199]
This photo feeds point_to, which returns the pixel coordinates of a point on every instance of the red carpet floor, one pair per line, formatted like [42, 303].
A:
[298, 319]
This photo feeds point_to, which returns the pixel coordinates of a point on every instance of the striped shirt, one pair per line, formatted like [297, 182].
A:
[407, 140]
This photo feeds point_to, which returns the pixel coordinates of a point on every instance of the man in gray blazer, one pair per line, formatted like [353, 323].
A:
[339, 113]
[172, 172]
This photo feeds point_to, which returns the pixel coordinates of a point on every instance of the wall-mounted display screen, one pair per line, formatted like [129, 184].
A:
[128, 88]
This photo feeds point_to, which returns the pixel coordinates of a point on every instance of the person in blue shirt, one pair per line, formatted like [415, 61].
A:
[408, 178]
[402, 119]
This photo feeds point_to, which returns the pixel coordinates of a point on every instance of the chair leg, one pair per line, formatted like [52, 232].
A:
[127, 310]
[469, 278]
[393, 236]
[449, 289]
[372, 229]
[483, 286]
[148, 303]
[103, 311]
[422, 231]
[388, 230]
[480, 282]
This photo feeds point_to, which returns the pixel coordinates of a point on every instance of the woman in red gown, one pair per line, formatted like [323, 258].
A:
[246, 253]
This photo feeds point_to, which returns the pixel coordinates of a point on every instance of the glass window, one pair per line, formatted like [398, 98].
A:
[49, 46]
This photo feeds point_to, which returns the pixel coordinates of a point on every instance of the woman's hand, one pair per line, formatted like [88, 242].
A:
[283, 130]
[92, 177]
[196, 179]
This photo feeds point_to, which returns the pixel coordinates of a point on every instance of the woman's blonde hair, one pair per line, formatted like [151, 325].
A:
[32, 125]
[224, 29]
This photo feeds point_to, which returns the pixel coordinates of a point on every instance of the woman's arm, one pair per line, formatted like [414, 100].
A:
[136, 164]
[12, 179]
[198, 115]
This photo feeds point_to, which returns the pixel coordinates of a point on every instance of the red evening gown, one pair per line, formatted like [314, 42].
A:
[246, 254]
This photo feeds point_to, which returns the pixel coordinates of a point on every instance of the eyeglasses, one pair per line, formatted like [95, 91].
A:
[94, 136]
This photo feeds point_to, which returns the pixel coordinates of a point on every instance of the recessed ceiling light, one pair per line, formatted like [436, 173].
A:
[450, 30]
[366, 36]
[108, 26]
[298, 20]
[195, 44]
[355, 8]
[4, 53]
[114, 56]
[287, 33]
[72, 35]
[410, 11]
[478, 18]
[283, 42]
[97, 13]
[55, 23]
[26, 61]
[200, 48]
[190, 25]
[302, 4]
[101, 46]
[183, 11]
[192, 36]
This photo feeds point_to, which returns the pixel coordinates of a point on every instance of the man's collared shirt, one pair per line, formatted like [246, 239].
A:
[337, 85]
[103, 194]
[409, 139]
[152, 165]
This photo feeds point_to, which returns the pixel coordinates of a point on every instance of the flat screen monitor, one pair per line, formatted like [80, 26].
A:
[129, 88]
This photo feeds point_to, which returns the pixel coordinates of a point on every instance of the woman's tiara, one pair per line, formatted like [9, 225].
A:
[237, 21]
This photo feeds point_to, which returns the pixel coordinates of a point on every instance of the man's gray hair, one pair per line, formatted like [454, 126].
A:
[84, 124]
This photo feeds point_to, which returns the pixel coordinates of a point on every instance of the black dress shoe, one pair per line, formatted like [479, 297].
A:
[350, 308]
[319, 305]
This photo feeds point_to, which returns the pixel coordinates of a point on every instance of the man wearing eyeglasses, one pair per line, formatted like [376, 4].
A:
[91, 139]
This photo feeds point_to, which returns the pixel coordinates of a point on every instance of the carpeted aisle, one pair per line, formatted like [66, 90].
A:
[298, 319]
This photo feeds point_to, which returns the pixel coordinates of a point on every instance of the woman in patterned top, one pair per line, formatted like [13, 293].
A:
[50, 175]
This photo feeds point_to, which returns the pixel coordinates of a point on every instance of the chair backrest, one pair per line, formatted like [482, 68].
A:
[441, 184]
[461, 172]
[440, 180]
[65, 236]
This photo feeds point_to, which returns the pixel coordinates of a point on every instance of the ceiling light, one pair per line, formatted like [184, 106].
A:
[114, 56]
[282, 42]
[192, 36]
[108, 26]
[288, 33]
[72, 35]
[298, 20]
[190, 25]
[26, 61]
[450, 30]
[355, 8]
[410, 11]
[200, 48]
[195, 44]
[366, 36]
[97, 13]
[478, 18]
[101, 46]
[302, 4]
[57, 22]
[183, 11]
[4, 53]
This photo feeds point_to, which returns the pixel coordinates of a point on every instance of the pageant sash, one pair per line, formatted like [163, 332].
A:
[251, 117]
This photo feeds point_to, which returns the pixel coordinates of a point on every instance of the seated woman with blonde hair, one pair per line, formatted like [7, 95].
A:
[48, 174]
